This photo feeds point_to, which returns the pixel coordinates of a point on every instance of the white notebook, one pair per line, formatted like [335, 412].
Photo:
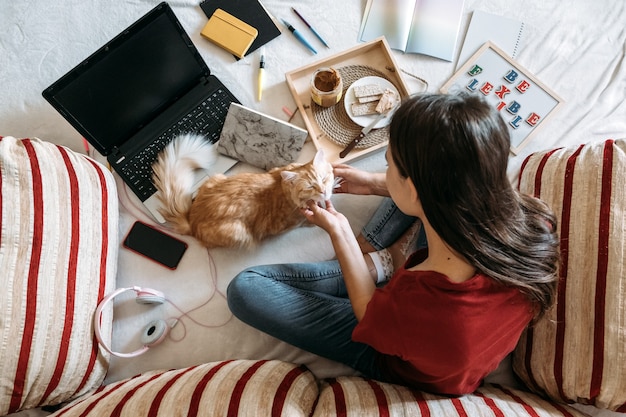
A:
[506, 33]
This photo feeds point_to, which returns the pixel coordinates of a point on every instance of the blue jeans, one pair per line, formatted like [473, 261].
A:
[307, 304]
[387, 225]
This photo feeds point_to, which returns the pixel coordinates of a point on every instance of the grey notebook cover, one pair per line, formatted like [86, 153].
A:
[259, 139]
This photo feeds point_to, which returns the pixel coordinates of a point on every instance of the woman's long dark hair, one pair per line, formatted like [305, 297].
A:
[455, 149]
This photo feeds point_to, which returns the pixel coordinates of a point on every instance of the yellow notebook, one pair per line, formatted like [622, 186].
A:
[230, 33]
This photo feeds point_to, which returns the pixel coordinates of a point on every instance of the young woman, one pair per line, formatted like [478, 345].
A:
[452, 311]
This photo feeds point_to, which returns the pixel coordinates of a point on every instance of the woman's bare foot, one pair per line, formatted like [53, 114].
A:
[391, 258]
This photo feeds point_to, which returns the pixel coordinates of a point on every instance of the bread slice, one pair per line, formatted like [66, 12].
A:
[367, 90]
[367, 99]
[386, 102]
[364, 109]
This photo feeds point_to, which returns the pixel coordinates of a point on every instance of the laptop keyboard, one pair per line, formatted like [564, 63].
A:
[206, 119]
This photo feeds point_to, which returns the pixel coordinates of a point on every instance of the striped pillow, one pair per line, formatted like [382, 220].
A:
[58, 257]
[227, 388]
[360, 397]
[577, 353]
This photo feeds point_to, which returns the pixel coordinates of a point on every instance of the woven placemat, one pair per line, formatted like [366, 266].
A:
[335, 122]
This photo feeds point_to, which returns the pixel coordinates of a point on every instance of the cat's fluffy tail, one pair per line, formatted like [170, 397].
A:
[174, 176]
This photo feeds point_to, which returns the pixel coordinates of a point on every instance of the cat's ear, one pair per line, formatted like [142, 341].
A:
[319, 158]
[288, 175]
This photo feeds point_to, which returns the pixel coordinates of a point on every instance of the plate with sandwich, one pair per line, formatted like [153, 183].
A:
[368, 97]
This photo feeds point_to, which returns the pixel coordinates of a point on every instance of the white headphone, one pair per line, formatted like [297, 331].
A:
[154, 332]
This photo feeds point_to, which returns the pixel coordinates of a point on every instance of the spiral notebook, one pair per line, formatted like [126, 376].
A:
[506, 33]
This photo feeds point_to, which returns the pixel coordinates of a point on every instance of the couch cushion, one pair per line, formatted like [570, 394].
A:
[360, 397]
[577, 352]
[233, 388]
[58, 257]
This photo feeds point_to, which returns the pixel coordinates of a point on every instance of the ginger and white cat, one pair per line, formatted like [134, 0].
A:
[238, 210]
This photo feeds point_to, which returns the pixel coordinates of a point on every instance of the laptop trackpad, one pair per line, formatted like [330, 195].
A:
[153, 204]
[221, 165]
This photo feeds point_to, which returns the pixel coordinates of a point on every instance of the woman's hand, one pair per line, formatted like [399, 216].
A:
[327, 218]
[356, 181]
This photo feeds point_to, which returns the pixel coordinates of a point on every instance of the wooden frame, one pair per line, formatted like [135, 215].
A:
[375, 54]
[523, 101]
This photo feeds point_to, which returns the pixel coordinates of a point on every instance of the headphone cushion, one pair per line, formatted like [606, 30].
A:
[150, 297]
[154, 333]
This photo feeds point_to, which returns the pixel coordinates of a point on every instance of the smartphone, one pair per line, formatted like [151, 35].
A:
[154, 244]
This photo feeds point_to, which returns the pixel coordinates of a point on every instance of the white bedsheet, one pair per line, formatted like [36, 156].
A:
[575, 47]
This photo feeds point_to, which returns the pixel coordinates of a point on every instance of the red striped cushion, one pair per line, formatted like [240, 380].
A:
[360, 397]
[58, 257]
[228, 388]
[577, 353]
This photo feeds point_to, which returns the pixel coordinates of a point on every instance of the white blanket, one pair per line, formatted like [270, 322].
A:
[575, 47]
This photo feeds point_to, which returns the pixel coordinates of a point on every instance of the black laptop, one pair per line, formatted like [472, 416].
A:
[137, 92]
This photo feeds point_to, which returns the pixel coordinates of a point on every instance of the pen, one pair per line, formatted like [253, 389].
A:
[310, 27]
[299, 36]
[261, 71]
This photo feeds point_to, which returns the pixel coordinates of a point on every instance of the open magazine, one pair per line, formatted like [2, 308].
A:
[428, 27]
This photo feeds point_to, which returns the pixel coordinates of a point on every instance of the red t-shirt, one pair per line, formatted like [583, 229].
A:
[439, 336]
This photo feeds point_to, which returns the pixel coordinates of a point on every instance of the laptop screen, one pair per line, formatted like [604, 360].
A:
[129, 81]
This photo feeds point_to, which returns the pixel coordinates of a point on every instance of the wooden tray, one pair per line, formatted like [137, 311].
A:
[375, 54]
